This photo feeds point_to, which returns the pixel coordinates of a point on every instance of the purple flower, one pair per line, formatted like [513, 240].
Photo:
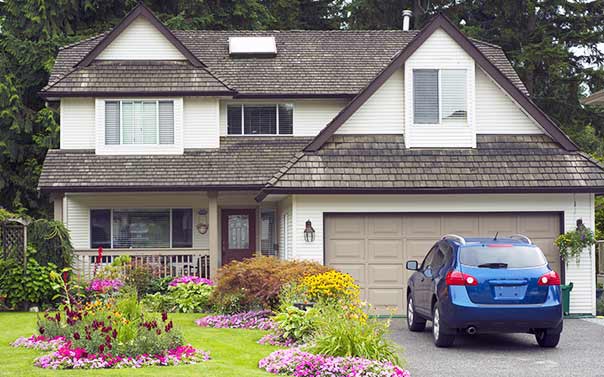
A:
[190, 279]
[249, 320]
[105, 285]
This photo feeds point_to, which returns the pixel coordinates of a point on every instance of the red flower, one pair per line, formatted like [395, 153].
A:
[76, 336]
[42, 329]
[101, 348]
[164, 316]
[158, 332]
[114, 334]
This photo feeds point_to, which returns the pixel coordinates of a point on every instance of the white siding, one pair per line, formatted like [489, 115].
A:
[141, 41]
[285, 228]
[383, 113]
[78, 207]
[497, 113]
[201, 122]
[439, 51]
[310, 116]
[574, 206]
[77, 123]
[125, 149]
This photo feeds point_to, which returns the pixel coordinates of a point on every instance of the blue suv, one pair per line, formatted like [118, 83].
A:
[485, 285]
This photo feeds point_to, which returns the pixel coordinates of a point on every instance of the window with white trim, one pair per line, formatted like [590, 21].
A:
[260, 119]
[147, 122]
[440, 96]
[141, 228]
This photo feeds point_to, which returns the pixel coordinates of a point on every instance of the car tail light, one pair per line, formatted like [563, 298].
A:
[459, 278]
[551, 278]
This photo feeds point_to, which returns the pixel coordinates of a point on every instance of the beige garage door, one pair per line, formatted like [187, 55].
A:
[373, 248]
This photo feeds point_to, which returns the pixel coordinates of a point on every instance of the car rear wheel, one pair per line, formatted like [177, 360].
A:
[547, 340]
[414, 321]
[440, 338]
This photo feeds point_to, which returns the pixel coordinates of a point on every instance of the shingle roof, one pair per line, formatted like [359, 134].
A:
[500, 162]
[240, 161]
[337, 62]
[139, 76]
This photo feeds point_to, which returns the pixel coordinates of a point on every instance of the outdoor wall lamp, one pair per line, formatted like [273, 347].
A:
[309, 232]
[202, 226]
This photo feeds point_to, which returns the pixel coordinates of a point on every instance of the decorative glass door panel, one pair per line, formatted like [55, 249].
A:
[238, 234]
[239, 231]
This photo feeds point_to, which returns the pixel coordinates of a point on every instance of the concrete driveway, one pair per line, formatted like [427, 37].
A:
[580, 353]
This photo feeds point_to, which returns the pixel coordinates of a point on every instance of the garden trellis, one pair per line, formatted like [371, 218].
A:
[13, 233]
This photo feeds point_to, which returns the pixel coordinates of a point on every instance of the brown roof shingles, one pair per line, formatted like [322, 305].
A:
[239, 162]
[335, 62]
[383, 162]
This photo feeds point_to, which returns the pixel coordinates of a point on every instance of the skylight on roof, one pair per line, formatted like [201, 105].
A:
[252, 46]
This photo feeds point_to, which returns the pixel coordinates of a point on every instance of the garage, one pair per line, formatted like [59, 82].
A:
[373, 247]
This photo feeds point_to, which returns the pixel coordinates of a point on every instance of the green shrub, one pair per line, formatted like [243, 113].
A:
[51, 241]
[256, 282]
[338, 334]
[296, 324]
[183, 298]
[22, 288]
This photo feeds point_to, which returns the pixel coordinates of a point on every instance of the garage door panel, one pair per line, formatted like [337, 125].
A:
[539, 226]
[385, 226]
[386, 301]
[357, 271]
[417, 226]
[502, 224]
[342, 250]
[460, 224]
[349, 226]
[385, 275]
[417, 249]
[385, 251]
[550, 250]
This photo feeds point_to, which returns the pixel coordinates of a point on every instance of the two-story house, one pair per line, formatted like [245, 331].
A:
[356, 149]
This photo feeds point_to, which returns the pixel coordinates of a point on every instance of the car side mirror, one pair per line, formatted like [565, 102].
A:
[412, 265]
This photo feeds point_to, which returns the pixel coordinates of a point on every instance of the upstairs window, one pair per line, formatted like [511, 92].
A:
[439, 96]
[139, 122]
[260, 119]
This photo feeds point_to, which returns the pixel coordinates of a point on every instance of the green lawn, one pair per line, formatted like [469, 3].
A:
[234, 352]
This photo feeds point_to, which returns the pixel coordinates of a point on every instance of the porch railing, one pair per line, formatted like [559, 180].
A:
[162, 263]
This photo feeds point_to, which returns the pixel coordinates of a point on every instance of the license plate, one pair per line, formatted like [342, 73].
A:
[514, 292]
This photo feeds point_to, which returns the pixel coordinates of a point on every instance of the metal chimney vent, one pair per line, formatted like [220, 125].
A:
[407, 14]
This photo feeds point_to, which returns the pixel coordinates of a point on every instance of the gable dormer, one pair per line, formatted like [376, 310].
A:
[141, 40]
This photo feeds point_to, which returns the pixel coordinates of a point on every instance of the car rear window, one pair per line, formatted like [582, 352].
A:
[512, 256]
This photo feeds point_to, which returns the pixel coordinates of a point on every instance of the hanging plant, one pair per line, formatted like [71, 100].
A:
[573, 242]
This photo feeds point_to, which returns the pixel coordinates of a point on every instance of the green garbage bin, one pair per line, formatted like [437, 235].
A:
[566, 288]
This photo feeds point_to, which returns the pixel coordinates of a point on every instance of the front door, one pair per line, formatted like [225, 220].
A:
[238, 234]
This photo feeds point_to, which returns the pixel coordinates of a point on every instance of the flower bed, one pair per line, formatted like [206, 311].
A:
[297, 363]
[39, 342]
[67, 357]
[276, 339]
[105, 285]
[249, 320]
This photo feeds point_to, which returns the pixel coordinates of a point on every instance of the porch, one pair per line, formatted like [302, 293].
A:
[173, 233]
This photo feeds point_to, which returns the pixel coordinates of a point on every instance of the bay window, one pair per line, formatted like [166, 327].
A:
[141, 228]
[439, 96]
[139, 122]
[256, 119]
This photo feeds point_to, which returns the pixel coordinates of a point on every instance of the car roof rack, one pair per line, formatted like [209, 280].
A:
[455, 237]
[522, 237]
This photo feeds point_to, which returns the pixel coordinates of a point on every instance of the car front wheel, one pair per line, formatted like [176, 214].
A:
[414, 321]
[547, 340]
[440, 338]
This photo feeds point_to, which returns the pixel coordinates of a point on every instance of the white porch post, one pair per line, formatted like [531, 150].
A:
[57, 201]
[213, 232]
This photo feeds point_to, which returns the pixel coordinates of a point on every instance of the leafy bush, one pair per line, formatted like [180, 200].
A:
[256, 282]
[344, 335]
[295, 324]
[22, 288]
[51, 241]
[184, 298]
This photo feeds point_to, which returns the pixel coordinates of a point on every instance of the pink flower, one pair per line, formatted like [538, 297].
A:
[190, 279]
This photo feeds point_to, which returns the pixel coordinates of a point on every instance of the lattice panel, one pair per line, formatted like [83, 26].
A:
[13, 241]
